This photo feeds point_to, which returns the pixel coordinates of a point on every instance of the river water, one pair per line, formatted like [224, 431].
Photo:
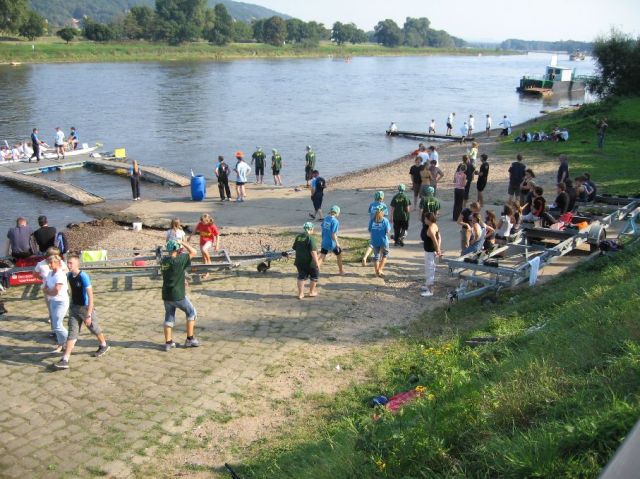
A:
[182, 115]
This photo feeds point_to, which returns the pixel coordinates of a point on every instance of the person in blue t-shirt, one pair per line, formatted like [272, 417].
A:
[379, 227]
[330, 242]
[82, 312]
[373, 207]
[35, 144]
[73, 138]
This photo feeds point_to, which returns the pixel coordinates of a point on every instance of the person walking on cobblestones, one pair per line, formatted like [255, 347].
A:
[173, 270]
[82, 312]
[307, 262]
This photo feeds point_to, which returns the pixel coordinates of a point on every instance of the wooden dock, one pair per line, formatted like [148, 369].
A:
[155, 174]
[29, 176]
[50, 189]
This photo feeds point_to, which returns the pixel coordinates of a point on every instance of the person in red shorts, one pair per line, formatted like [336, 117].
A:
[209, 238]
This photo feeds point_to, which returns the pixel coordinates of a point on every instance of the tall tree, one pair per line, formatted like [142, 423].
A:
[180, 20]
[618, 70]
[222, 31]
[32, 26]
[242, 32]
[258, 29]
[388, 33]
[11, 14]
[296, 30]
[349, 32]
[416, 32]
[275, 31]
[139, 23]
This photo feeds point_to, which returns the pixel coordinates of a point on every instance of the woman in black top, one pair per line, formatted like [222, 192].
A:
[470, 173]
[483, 176]
[430, 236]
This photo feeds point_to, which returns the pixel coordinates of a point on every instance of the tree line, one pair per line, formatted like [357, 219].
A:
[179, 21]
[532, 45]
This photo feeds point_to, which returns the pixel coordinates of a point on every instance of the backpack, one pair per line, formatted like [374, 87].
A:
[62, 243]
[320, 184]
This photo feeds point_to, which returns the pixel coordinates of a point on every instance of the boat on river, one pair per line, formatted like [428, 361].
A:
[50, 153]
[577, 56]
[427, 136]
[556, 80]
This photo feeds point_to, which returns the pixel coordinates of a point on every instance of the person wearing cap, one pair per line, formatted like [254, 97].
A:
[242, 170]
[400, 208]
[429, 203]
[258, 159]
[173, 268]
[222, 173]
[330, 242]
[309, 165]
[379, 229]
[276, 166]
[378, 201]
[82, 312]
[318, 184]
[306, 261]
[45, 236]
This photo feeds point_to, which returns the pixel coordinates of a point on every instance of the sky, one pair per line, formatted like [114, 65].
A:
[478, 20]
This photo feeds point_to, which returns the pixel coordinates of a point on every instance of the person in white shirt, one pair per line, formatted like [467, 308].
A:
[393, 128]
[59, 143]
[488, 125]
[55, 290]
[464, 132]
[42, 270]
[423, 154]
[506, 126]
[450, 119]
[433, 155]
[432, 127]
[472, 124]
[242, 169]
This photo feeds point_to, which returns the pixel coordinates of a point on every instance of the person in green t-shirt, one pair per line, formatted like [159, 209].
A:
[400, 207]
[309, 165]
[259, 159]
[173, 268]
[429, 203]
[276, 166]
[307, 261]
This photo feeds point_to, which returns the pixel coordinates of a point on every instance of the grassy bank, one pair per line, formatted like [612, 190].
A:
[614, 167]
[55, 50]
[554, 396]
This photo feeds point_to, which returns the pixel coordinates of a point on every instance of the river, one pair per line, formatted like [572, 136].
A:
[182, 115]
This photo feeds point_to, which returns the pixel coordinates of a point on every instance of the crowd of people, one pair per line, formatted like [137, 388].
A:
[557, 134]
[467, 128]
[28, 150]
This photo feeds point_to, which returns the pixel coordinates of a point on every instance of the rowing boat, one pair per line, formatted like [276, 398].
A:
[411, 134]
[51, 155]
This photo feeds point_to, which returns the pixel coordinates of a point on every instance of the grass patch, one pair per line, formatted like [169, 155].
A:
[53, 49]
[553, 397]
[614, 167]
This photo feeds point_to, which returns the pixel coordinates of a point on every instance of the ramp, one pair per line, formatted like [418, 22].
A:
[151, 173]
[54, 189]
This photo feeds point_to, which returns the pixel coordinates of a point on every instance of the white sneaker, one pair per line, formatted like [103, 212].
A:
[424, 288]
[426, 294]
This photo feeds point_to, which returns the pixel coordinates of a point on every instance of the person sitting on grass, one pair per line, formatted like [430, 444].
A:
[330, 242]
[379, 229]
[307, 261]
[378, 201]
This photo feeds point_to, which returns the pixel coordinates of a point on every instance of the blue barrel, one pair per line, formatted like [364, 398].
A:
[198, 188]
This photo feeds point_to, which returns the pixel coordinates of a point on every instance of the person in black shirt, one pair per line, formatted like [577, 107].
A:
[222, 173]
[563, 169]
[516, 175]
[561, 204]
[483, 176]
[416, 181]
[45, 236]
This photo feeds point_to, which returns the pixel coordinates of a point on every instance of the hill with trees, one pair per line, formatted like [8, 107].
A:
[60, 12]
[535, 45]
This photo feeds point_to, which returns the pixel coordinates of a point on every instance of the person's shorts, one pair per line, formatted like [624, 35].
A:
[317, 201]
[337, 251]
[275, 172]
[207, 246]
[514, 190]
[482, 185]
[76, 320]
[416, 187]
[58, 146]
[449, 126]
[241, 183]
[380, 250]
[307, 272]
[307, 173]
[260, 171]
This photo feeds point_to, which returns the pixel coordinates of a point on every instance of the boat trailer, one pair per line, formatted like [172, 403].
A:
[528, 252]
[136, 264]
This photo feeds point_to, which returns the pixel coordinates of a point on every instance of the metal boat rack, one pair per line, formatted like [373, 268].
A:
[148, 265]
[508, 265]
